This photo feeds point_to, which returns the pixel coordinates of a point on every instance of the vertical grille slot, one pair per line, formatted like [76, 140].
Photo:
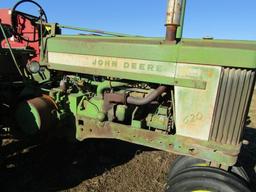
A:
[232, 105]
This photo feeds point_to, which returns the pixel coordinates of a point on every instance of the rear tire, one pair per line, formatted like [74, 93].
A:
[206, 179]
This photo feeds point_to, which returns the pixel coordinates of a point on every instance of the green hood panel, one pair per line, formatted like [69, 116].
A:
[241, 54]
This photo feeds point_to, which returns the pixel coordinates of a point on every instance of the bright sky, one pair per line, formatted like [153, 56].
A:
[221, 19]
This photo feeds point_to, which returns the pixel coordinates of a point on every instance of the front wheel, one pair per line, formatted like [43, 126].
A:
[206, 179]
[184, 162]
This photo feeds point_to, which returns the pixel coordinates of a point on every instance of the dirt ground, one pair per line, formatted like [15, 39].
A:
[94, 165]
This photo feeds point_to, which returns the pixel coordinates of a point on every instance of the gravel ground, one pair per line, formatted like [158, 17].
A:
[95, 165]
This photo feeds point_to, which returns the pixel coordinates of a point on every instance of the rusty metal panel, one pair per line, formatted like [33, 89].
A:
[232, 104]
[193, 107]
[207, 150]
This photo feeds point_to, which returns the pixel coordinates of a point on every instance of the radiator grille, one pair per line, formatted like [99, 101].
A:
[232, 105]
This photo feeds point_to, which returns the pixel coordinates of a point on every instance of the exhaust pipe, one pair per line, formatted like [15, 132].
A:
[122, 98]
[174, 19]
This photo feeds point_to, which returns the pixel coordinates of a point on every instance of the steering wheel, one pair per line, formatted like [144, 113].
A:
[18, 26]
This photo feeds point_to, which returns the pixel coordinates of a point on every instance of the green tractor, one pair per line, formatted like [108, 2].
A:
[185, 96]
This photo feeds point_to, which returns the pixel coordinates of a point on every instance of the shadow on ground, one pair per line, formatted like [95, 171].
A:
[59, 165]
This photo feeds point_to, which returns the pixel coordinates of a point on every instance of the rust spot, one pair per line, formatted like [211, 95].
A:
[210, 74]
[193, 151]
[111, 98]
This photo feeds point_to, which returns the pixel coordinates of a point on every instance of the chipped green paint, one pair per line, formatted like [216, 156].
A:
[222, 154]
[133, 69]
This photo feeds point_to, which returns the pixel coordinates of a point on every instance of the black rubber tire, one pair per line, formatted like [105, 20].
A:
[183, 162]
[208, 179]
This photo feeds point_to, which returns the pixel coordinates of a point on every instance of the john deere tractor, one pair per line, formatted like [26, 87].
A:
[185, 96]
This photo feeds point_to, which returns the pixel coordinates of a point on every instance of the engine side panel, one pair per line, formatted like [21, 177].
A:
[193, 107]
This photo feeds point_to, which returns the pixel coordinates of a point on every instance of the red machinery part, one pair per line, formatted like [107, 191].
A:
[25, 27]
